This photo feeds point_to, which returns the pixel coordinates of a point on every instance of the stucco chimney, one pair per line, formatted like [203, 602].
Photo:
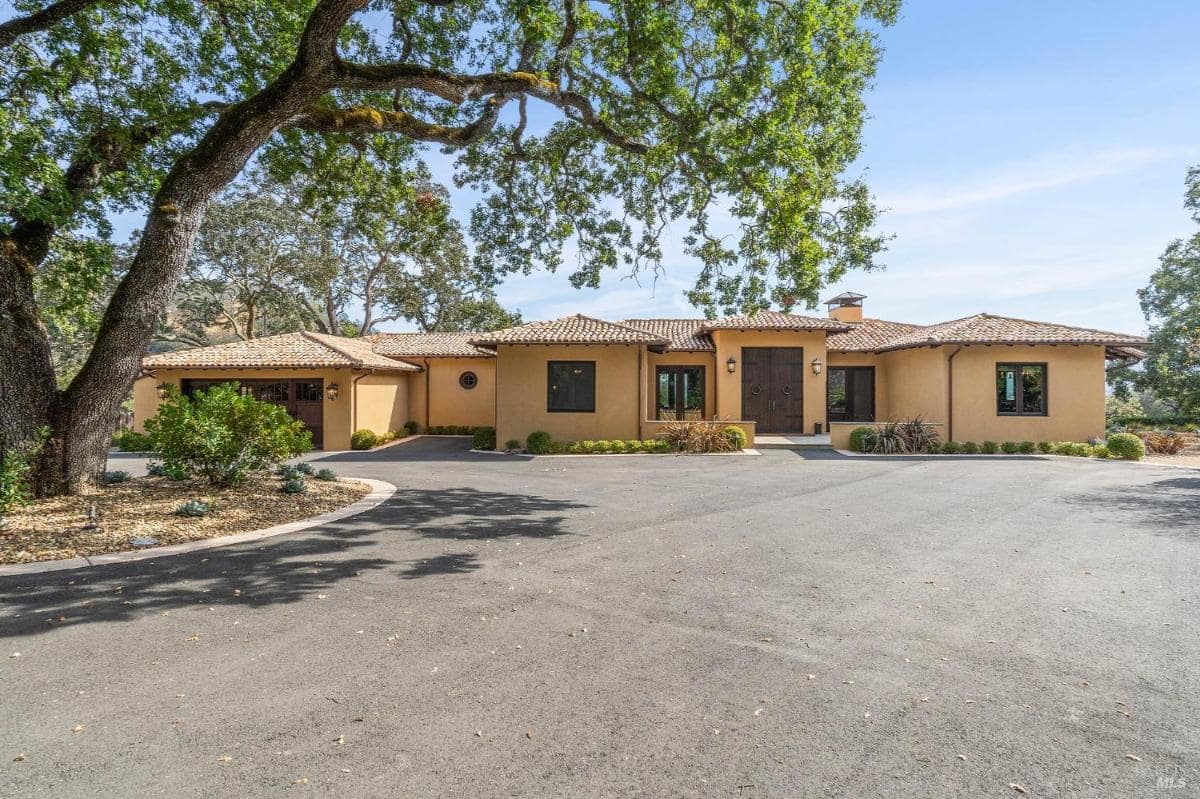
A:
[846, 307]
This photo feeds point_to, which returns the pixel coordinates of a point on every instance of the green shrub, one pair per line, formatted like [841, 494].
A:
[129, 441]
[1073, 448]
[1101, 451]
[194, 509]
[1045, 446]
[559, 447]
[635, 445]
[1027, 447]
[538, 442]
[862, 439]
[411, 428]
[117, 476]
[15, 470]
[512, 444]
[1126, 446]
[177, 471]
[951, 448]
[662, 446]
[1010, 447]
[295, 486]
[306, 468]
[484, 438]
[989, 448]
[736, 436]
[363, 439]
[617, 446]
[224, 435]
[970, 448]
[325, 474]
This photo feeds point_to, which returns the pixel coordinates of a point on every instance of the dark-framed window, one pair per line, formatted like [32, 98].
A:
[850, 394]
[1022, 389]
[571, 386]
[679, 393]
[468, 380]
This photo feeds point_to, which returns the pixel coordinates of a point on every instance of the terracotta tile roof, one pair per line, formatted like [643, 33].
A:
[869, 335]
[577, 329]
[428, 345]
[989, 329]
[773, 320]
[684, 334]
[299, 350]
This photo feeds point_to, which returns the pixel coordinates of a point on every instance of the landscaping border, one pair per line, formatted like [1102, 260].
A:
[380, 491]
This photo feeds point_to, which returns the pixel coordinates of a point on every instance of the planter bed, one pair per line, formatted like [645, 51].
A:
[52, 529]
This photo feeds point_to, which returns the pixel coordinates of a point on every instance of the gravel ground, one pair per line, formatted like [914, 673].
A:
[777, 626]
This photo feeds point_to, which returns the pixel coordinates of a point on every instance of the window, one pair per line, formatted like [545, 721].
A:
[571, 387]
[850, 394]
[468, 380]
[1021, 389]
[680, 393]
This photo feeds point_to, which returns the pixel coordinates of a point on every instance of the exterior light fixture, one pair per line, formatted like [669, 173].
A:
[163, 390]
[331, 391]
[817, 366]
[731, 364]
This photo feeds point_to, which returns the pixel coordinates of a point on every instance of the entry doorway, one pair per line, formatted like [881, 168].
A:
[773, 388]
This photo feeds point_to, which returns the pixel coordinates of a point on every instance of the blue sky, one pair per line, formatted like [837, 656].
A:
[1031, 154]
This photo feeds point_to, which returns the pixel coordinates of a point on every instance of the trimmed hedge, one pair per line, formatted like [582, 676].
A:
[736, 436]
[538, 442]
[484, 438]
[862, 439]
[1126, 446]
[363, 439]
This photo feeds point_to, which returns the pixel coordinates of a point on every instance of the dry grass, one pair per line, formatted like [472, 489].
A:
[51, 529]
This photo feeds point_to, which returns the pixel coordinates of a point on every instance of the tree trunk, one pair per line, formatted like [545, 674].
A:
[82, 418]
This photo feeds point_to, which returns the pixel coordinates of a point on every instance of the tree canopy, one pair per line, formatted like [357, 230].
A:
[584, 126]
[1171, 304]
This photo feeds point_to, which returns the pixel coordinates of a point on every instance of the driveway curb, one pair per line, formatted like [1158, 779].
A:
[380, 491]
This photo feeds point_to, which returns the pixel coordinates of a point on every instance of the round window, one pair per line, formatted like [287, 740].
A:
[468, 380]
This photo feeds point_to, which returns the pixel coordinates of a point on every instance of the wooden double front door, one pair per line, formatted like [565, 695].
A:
[773, 388]
[302, 398]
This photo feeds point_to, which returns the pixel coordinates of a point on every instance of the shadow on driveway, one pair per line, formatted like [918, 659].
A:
[285, 569]
[1170, 506]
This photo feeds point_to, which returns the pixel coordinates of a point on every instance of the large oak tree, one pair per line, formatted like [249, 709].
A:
[666, 110]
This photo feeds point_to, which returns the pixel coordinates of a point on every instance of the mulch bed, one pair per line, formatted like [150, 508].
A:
[51, 529]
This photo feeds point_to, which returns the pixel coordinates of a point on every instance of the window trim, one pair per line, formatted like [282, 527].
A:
[679, 367]
[874, 391]
[549, 390]
[1020, 396]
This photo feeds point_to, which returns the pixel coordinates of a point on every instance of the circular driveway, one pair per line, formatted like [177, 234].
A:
[776, 626]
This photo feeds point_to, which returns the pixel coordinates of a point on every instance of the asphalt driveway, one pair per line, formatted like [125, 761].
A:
[727, 626]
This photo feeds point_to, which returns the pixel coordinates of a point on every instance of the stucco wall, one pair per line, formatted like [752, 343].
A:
[1075, 394]
[337, 412]
[381, 401]
[729, 386]
[521, 389]
[911, 384]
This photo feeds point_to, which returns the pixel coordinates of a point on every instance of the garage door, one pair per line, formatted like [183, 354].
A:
[301, 397]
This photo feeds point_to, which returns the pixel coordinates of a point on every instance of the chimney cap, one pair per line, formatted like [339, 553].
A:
[847, 299]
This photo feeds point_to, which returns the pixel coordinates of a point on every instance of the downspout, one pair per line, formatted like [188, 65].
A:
[425, 361]
[354, 400]
[950, 394]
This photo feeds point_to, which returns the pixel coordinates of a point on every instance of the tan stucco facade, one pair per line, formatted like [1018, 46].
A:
[436, 397]
[950, 386]
[521, 392]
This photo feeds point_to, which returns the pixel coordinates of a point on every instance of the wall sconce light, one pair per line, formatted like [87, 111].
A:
[331, 391]
[817, 366]
[731, 364]
[163, 390]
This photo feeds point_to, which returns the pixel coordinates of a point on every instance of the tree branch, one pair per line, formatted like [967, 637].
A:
[40, 20]
[361, 119]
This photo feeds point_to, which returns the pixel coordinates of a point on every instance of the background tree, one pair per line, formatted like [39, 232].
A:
[662, 111]
[1171, 304]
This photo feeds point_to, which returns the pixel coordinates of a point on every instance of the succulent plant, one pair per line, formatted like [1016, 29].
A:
[305, 468]
[194, 509]
[296, 485]
[326, 474]
[156, 469]
[112, 478]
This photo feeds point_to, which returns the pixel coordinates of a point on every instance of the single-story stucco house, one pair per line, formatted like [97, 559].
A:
[978, 378]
